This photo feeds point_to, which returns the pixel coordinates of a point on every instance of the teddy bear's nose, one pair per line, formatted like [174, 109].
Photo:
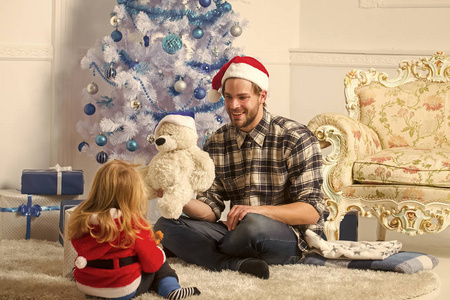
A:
[160, 141]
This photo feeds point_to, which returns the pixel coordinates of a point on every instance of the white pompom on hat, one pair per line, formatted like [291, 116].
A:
[244, 67]
[186, 119]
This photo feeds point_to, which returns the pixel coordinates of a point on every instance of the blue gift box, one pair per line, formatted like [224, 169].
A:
[55, 181]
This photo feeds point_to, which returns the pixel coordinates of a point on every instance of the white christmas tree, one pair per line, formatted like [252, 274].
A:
[160, 58]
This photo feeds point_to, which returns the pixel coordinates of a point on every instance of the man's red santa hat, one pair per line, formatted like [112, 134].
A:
[244, 67]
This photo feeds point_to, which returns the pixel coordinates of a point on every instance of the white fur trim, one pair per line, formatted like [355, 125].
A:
[81, 262]
[178, 120]
[214, 96]
[248, 72]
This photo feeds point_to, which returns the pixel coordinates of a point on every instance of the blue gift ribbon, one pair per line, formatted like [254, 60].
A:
[29, 211]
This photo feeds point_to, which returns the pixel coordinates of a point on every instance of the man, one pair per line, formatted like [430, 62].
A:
[268, 167]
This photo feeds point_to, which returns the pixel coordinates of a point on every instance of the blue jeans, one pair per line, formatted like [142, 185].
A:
[211, 244]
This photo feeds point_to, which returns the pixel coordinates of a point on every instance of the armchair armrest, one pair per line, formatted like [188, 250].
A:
[350, 140]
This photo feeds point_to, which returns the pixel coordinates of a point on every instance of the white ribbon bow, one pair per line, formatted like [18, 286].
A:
[60, 169]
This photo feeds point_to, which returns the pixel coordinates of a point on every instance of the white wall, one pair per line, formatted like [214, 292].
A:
[26, 104]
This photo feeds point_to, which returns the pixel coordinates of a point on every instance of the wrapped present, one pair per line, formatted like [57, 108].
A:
[70, 254]
[65, 204]
[55, 181]
[29, 216]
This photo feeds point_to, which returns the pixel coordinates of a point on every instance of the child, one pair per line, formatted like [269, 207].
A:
[118, 257]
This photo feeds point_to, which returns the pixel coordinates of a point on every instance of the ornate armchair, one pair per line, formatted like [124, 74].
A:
[390, 158]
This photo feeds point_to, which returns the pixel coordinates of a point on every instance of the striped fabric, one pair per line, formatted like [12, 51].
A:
[402, 262]
[183, 293]
[278, 162]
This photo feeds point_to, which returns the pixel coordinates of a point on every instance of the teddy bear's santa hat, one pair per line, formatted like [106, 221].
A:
[244, 67]
[182, 118]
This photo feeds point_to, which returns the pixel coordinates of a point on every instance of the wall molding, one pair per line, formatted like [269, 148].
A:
[404, 3]
[353, 60]
[26, 52]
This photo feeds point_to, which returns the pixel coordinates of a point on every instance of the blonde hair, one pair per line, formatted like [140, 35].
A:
[117, 184]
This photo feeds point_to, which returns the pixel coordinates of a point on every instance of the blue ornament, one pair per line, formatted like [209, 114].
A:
[116, 35]
[89, 109]
[172, 43]
[205, 3]
[132, 145]
[219, 119]
[199, 93]
[101, 140]
[121, 1]
[102, 157]
[205, 68]
[226, 6]
[82, 145]
[110, 72]
[197, 33]
[146, 41]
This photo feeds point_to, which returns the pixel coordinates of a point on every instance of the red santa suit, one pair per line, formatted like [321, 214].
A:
[118, 281]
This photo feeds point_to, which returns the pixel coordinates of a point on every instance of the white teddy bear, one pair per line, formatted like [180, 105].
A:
[181, 168]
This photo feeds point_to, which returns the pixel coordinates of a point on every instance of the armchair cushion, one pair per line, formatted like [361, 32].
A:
[414, 114]
[404, 165]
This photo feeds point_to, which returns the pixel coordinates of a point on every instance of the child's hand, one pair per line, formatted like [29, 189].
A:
[158, 237]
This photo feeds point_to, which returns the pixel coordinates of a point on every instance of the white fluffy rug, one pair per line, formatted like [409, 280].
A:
[32, 270]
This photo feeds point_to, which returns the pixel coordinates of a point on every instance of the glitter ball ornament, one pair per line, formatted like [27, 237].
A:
[172, 43]
[102, 157]
[199, 93]
[101, 140]
[116, 35]
[132, 145]
[136, 104]
[83, 146]
[205, 3]
[115, 21]
[92, 88]
[197, 33]
[180, 86]
[89, 109]
[236, 30]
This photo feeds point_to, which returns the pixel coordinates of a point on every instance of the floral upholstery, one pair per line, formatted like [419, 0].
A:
[405, 165]
[390, 158]
[415, 114]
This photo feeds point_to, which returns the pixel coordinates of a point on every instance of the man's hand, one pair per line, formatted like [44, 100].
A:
[238, 212]
[297, 213]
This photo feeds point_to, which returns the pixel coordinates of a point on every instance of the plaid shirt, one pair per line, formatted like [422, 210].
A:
[278, 162]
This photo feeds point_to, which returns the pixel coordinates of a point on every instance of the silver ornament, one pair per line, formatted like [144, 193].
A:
[216, 52]
[136, 104]
[115, 21]
[151, 138]
[236, 30]
[180, 86]
[92, 88]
